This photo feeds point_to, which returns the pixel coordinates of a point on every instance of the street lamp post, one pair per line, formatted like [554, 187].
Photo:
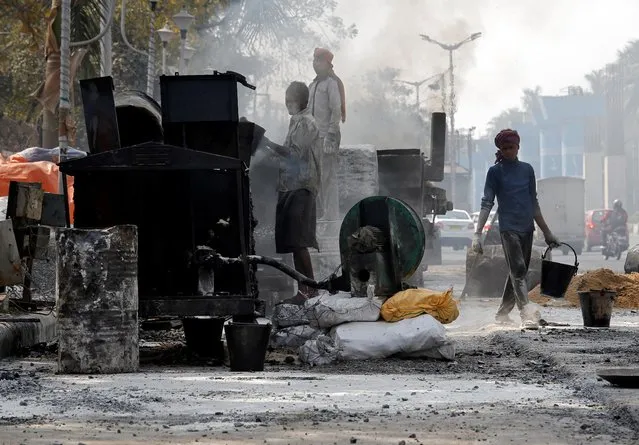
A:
[417, 86]
[451, 48]
[150, 68]
[183, 20]
[189, 52]
[166, 35]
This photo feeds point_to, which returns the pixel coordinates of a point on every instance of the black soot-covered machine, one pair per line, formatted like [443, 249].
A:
[183, 181]
[179, 172]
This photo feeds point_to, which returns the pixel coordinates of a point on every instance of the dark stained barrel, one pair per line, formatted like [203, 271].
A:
[97, 300]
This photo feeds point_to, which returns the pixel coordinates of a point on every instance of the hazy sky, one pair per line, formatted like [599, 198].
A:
[550, 43]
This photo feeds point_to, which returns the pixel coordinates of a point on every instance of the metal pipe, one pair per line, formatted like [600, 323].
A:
[207, 257]
[106, 27]
[123, 31]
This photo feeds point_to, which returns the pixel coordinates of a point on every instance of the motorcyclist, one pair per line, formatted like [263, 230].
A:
[615, 221]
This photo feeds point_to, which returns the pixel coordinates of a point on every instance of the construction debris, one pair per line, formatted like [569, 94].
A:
[626, 286]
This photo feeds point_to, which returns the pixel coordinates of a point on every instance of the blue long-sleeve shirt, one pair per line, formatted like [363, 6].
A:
[513, 184]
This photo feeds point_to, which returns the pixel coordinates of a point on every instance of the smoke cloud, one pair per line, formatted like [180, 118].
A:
[551, 43]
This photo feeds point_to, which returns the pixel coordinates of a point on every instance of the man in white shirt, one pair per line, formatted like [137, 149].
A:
[327, 106]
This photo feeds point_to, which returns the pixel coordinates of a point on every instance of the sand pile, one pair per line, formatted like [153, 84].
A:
[626, 286]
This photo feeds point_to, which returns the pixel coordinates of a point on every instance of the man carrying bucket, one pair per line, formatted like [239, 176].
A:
[513, 183]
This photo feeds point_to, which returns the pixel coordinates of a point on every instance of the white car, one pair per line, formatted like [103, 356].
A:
[456, 228]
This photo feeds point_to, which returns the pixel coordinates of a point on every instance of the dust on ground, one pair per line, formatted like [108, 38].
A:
[626, 286]
[505, 386]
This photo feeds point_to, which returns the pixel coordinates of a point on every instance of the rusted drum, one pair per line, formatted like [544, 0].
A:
[97, 300]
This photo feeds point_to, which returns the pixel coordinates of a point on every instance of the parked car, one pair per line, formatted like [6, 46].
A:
[456, 228]
[475, 217]
[593, 227]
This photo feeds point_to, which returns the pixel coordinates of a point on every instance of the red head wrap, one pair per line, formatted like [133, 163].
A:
[323, 53]
[506, 136]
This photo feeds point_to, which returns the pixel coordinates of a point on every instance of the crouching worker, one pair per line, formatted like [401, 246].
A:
[513, 183]
[300, 160]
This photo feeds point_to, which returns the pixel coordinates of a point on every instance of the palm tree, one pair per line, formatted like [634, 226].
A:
[628, 58]
[285, 30]
[530, 102]
[506, 119]
[597, 81]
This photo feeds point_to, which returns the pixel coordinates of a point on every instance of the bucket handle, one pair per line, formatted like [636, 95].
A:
[543, 255]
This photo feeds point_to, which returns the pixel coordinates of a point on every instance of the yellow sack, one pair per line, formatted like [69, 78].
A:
[410, 303]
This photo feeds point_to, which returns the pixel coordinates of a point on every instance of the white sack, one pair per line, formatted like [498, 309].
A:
[327, 310]
[421, 336]
[320, 351]
[286, 315]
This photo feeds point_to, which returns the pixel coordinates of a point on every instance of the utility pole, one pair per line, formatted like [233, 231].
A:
[64, 106]
[470, 146]
[451, 48]
[150, 66]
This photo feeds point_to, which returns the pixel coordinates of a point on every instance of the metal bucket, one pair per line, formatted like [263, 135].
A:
[247, 343]
[556, 277]
[203, 336]
[596, 307]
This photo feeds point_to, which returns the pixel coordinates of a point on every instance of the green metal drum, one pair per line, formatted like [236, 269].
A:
[403, 232]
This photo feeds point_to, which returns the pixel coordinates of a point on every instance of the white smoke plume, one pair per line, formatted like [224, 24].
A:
[551, 43]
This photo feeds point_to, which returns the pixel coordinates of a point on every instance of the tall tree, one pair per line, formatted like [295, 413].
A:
[506, 119]
[385, 115]
[262, 37]
[271, 40]
[628, 58]
[530, 103]
[597, 81]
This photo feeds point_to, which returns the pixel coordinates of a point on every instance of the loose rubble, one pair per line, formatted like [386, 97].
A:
[626, 286]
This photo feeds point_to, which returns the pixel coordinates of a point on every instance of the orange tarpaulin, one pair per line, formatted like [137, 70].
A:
[46, 173]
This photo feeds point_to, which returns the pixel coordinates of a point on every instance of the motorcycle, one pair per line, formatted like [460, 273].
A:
[615, 244]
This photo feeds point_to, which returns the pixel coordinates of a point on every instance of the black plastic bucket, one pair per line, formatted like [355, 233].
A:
[204, 336]
[596, 307]
[555, 277]
[247, 343]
